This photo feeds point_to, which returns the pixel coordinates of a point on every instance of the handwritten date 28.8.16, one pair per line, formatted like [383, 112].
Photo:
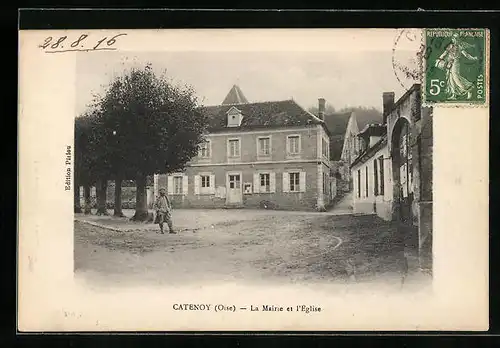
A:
[81, 43]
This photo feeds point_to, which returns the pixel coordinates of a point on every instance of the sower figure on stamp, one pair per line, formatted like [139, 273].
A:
[456, 84]
[164, 211]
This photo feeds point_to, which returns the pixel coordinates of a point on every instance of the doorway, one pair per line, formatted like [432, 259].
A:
[403, 176]
[234, 191]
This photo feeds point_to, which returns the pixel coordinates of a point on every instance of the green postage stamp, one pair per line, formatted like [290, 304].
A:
[456, 67]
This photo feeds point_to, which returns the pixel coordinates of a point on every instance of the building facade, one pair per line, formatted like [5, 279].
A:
[372, 190]
[344, 128]
[270, 155]
[392, 176]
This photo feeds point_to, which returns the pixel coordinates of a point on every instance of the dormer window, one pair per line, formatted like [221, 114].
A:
[234, 117]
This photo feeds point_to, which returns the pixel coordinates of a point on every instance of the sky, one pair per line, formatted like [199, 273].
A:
[343, 78]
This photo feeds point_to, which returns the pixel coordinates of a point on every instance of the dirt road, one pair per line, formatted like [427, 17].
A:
[281, 248]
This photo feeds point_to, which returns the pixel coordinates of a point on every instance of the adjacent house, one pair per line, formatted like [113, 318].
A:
[344, 128]
[271, 155]
[337, 125]
[392, 175]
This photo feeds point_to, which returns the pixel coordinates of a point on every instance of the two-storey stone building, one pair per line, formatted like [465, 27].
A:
[272, 155]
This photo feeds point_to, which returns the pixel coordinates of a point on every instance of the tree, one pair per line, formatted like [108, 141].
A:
[364, 113]
[85, 160]
[147, 125]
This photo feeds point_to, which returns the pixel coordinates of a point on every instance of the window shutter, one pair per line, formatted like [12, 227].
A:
[196, 184]
[170, 185]
[256, 183]
[286, 182]
[212, 184]
[185, 185]
[302, 182]
[272, 182]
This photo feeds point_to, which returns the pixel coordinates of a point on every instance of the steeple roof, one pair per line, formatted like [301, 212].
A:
[235, 96]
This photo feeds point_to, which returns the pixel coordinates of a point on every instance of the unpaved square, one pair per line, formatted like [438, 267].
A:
[245, 246]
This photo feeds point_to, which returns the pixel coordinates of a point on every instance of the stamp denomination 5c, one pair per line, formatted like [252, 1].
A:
[455, 67]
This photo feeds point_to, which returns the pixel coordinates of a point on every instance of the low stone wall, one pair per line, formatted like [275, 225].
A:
[128, 197]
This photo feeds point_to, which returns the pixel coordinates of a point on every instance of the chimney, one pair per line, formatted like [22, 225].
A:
[388, 103]
[321, 108]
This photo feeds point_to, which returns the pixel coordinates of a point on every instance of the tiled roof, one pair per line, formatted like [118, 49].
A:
[235, 96]
[336, 145]
[337, 122]
[363, 119]
[261, 114]
[373, 129]
[370, 151]
[337, 125]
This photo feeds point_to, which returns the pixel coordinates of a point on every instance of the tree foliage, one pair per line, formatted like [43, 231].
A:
[364, 112]
[87, 157]
[142, 125]
[148, 125]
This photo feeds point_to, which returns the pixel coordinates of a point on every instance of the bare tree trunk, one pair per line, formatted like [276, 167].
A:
[118, 196]
[76, 196]
[86, 194]
[101, 188]
[141, 208]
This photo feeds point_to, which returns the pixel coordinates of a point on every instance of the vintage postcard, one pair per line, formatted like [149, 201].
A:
[276, 180]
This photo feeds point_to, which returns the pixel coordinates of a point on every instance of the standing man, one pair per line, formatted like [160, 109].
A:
[164, 211]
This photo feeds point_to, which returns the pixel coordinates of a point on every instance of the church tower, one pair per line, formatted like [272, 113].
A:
[235, 96]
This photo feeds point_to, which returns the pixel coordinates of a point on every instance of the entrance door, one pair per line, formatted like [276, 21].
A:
[234, 194]
[406, 194]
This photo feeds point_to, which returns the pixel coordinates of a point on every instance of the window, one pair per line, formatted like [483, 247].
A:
[234, 117]
[324, 148]
[204, 184]
[375, 177]
[366, 181]
[264, 146]
[265, 182]
[293, 144]
[381, 169]
[177, 185]
[359, 182]
[325, 183]
[234, 181]
[205, 181]
[204, 151]
[234, 147]
[294, 182]
[404, 147]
